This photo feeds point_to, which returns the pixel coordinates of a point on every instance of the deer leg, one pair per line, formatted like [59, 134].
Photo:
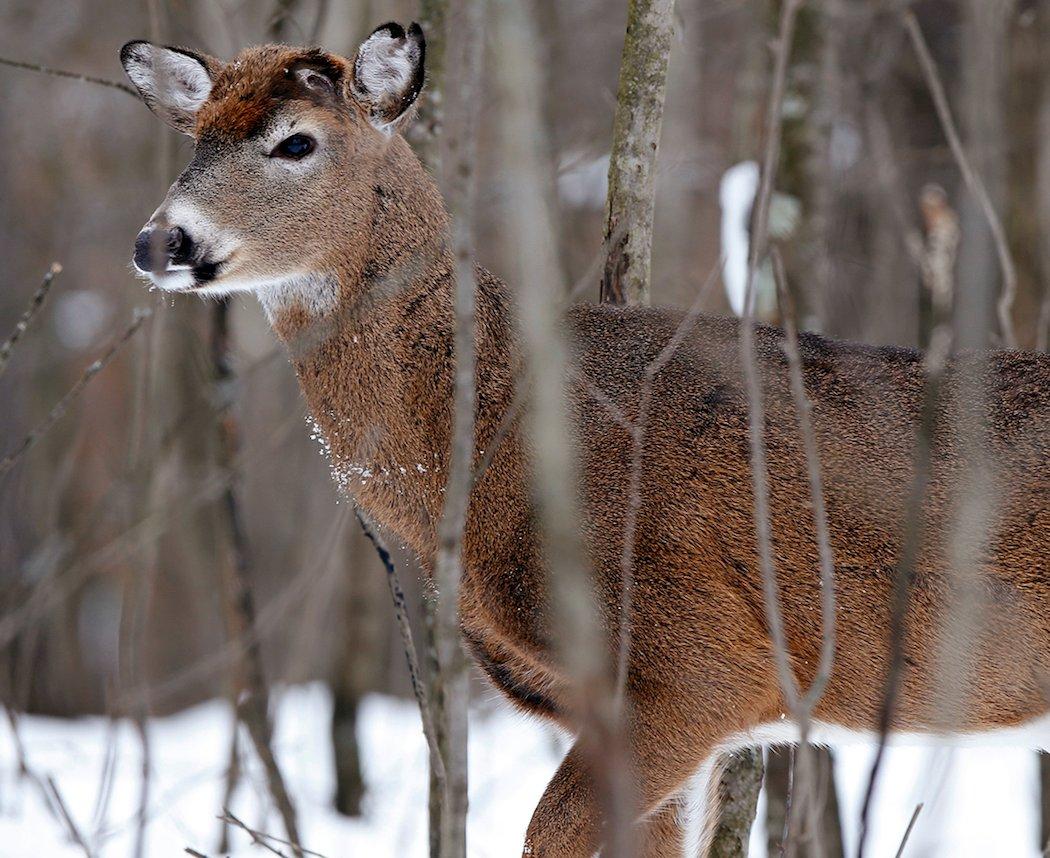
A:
[568, 821]
[672, 749]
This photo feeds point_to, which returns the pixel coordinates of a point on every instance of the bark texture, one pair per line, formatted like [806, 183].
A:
[738, 790]
[452, 682]
[636, 138]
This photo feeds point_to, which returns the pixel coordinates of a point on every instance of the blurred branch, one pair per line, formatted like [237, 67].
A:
[636, 137]
[76, 390]
[85, 78]
[576, 633]
[45, 785]
[939, 266]
[799, 707]
[35, 303]
[319, 21]
[973, 181]
[252, 695]
[278, 25]
[425, 131]
[637, 430]
[586, 281]
[71, 826]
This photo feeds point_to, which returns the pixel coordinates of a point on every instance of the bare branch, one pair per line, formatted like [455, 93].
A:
[580, 643]
[261, 837]
[800, 709]
[46, 787]
[401, 616]
[816, 486]
[907, 831]
[940, 266]
[973, 181]
[760, 234]
[84, 78]
[63, 404]
[35, 303]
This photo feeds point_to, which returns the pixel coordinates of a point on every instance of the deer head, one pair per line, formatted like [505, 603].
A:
[285, 142]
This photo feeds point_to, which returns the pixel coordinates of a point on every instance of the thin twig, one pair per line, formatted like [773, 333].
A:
[55, 414]
[260, 836]
[760, 234]
[907, 831]
[24, 768]
[74, 831]
[401, 616]
[233, 775]
[35, 303]
[256, 836]
[939, 265]
[800, 709]
[973, 181]
[816, 486]
[85, 78]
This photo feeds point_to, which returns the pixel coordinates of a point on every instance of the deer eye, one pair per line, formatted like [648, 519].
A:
[295, 148]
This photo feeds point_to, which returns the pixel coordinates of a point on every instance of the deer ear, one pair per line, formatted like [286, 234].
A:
[173, 82]
[388, 73]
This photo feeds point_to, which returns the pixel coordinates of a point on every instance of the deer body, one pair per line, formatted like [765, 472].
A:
[361, 293]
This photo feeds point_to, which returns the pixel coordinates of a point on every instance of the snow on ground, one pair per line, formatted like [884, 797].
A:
[980, 802]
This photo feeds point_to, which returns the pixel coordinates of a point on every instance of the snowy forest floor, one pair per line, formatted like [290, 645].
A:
[978, 802]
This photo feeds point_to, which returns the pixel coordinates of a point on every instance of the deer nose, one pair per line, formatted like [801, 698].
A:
[156, 248]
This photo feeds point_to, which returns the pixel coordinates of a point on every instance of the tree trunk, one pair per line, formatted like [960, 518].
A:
[982, 118]
[360, 664]
[636, 139]
[738, 790]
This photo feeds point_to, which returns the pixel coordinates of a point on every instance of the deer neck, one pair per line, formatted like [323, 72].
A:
[374, 353]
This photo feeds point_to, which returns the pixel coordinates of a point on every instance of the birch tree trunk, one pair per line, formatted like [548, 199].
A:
[636, 139]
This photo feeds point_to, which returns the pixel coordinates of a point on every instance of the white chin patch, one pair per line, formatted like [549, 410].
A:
[176, 279]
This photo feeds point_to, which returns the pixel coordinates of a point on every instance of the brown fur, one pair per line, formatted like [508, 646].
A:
[378, 376]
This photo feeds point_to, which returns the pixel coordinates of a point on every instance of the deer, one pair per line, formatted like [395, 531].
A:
[303, 191]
